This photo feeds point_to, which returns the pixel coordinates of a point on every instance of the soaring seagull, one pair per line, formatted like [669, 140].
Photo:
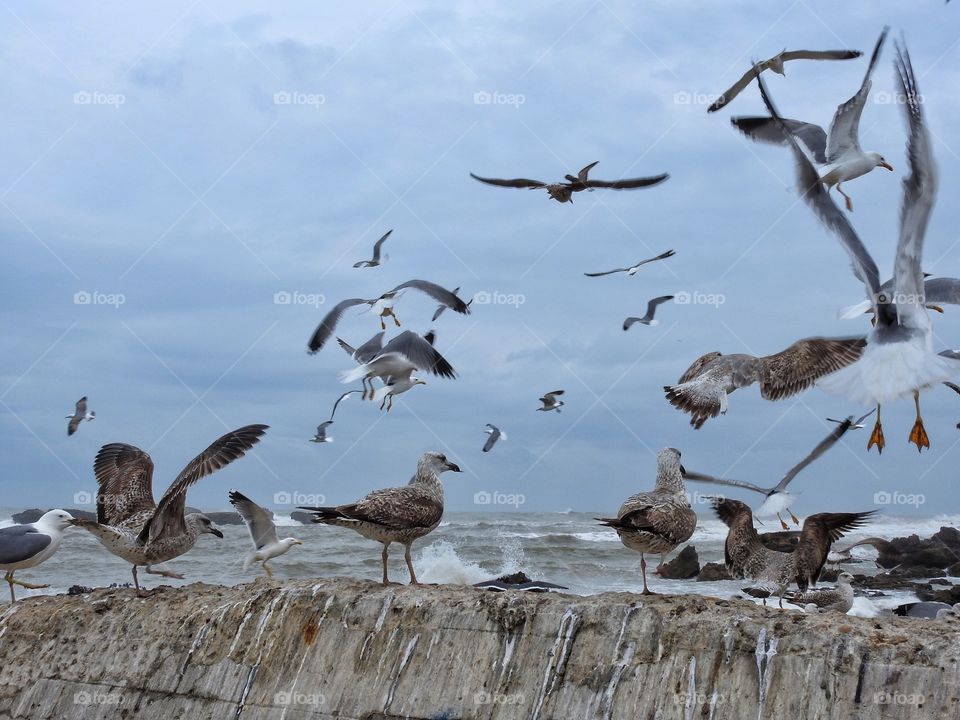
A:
[838, 153]
[320, 436]
[775, 64]
[263, 532]
[398, 514]
[632, 270]
[551, 402]
[776, 498]
[658, 520]
[80, 413]
[26, 546]
[493, 434]
[563, 191]
[898, 359]
[702, 390]
[651, 309]
[132, 526]
[383, 305]
[373, 262]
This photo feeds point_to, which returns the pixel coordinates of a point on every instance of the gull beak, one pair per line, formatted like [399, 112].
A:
[453, 466]
[298, 542]
[216, 531]
[886, 165]
[683, 471]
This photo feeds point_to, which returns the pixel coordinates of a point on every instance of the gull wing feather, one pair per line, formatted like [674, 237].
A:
[844, 134]
[259, 520]
[329, 323]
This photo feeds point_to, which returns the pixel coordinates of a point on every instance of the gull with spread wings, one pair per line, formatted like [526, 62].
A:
[375, 260]
[838, 153]
[632, 270]
[647, 319]
[563, 191]
[259, 522]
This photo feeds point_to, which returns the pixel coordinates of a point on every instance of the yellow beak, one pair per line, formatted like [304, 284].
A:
[887, 165]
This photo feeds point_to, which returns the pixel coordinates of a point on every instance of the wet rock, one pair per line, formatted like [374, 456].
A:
[714, 571]
[79, 590]
[303, 517]
[684, 566]
[225, 518]
[949, 595]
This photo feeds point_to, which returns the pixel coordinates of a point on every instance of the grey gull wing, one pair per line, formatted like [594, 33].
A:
[21, 542]
[259, 520]
[329, 323]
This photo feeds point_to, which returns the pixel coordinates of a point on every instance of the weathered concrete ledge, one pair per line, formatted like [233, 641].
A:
[349, 649]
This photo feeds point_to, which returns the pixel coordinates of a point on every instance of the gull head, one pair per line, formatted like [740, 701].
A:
[434, 463]
[844, 578]
[668, 462]
[290, 542]
[879, 161]
[55, 520]
[203, 524]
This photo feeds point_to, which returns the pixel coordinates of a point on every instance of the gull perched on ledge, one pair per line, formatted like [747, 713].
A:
[28, 545]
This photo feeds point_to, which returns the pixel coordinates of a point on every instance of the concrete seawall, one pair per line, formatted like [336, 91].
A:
[350, 649]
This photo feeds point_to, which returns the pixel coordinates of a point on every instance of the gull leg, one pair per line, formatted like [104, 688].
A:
[164, 573]
[793, 517]
[846, 197]
[643, 571]
[8, 576]
[141, 593]
[384, 402]
[267, 568]
[21, 583]
[384, 556]
[413, 575]
[390, 403]
[876, 437]
[918, 435]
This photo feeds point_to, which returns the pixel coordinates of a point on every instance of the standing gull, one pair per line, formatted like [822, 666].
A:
[777, 499]
[651, 309]
[838, 599]
[398, 514]
[838, 153]
[898, 359]
[26, 546]
[563, 191]
[659, 520]
[494, 433]
[775, 64]
[632, 270]
[263, 532]
[132, 526]
[375, 261]
[702, 390]
[80, 414]
[550, 401]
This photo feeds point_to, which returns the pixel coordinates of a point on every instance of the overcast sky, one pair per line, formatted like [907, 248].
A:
[180, 164]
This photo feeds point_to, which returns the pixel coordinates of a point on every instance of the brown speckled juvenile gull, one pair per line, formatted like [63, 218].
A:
[132, 526]
[839, 599]
[702, 390]
[398, 514]
[659, 520]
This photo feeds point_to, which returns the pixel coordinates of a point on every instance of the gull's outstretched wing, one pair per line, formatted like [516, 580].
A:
[629, 183]
[514, 183]
[329, 323]
[259, 520]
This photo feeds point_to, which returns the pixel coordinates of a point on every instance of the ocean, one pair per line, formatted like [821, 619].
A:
[570, 549]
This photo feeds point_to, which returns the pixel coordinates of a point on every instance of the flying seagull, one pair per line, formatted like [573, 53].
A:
[838, 599]
[26, 546]
[776, 498]
[775, 64]
[395, 363]
[563, 191]
[398, 514]
[651, 309]
[384, 307]
[772, 571]
[659, 520]
[263, 532]
[838, 153]
[375, 261]
[441, 307]
[494, 434]
[702, 390]
[632, 270]
[132, 526]
[321, 435]
[550, 401]
[80, 414]
[897, 360]
[365, 352]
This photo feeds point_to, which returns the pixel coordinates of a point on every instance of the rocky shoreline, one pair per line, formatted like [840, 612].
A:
[349, 649]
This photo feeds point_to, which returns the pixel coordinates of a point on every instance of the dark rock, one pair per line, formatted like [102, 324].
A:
[916, 571]
[303, 517]
[225, 518]
[954, 570]
[514, 578]
[950, 595]
[79, 590]
[782, 541]
[714, 571]
[684, 566]
[33, 514]
[940, 581]
[886, 581]
[829, 575]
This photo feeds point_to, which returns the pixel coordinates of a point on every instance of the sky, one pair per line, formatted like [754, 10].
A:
[172, 173]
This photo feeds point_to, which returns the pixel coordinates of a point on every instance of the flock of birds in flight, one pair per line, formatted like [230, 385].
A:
[892, 360]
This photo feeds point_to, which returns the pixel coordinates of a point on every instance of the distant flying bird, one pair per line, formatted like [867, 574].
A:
[79, 415]
[775, 64]
[26, 546]
[550, 401]
[321, 434]
[263, 532]
[632, 270]
[440, 308]
[563, 191]
[702, 390]
[839, 153]
[651, 309]
[384, 306]
[375, 261]
[494, 434]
